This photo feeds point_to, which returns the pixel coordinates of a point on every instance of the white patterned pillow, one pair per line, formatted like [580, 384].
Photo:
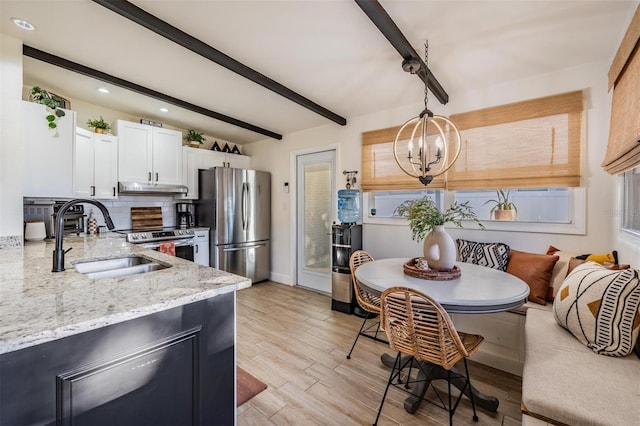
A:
[600, 308]
[491, 255]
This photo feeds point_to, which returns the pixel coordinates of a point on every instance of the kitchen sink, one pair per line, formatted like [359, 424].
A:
[118, 267]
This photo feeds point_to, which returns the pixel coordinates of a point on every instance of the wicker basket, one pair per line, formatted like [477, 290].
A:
[430, 274]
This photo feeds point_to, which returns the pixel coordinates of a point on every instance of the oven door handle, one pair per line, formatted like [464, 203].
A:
[178, 243]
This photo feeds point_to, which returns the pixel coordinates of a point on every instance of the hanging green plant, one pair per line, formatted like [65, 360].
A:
[41, 96]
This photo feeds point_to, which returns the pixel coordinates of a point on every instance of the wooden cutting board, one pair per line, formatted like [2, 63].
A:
[146, 217]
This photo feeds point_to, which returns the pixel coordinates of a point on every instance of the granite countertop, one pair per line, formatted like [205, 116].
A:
[37, 305]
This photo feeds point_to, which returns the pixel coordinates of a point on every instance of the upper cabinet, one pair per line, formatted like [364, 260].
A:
[47, 153]
[224, 159]
[95, 165]
[149, 154]
[195, 159]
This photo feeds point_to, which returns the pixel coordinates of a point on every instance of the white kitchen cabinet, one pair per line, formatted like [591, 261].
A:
[95, 165]
[149, 154]
[194, 159]
[47, 153]
[225, 159]
[201, 248]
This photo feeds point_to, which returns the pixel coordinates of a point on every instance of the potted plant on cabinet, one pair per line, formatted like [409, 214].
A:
[194, 138]
[503, 209]
[426, 222]
[99, 126]
[41, 96]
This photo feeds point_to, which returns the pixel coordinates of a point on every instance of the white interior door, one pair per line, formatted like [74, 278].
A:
[315, 195]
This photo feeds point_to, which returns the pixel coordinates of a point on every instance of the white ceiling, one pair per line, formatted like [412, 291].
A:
[326, 50]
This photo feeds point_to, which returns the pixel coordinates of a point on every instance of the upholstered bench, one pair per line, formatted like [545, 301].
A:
[578, 368]
[565, 382]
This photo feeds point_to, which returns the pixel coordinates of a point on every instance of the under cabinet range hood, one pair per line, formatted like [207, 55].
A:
[133, 188]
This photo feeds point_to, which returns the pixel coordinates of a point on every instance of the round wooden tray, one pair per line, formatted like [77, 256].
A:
[430, 274]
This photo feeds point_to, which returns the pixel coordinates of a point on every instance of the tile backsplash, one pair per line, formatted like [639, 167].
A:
[120, 209]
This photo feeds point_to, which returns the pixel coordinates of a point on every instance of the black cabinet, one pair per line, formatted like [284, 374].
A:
[168, 368]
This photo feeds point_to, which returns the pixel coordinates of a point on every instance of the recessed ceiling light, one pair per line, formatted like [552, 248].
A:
[23, 24]
[164, 110]
[103, 90]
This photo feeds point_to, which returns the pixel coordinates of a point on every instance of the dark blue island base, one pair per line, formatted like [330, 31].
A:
[173, 367]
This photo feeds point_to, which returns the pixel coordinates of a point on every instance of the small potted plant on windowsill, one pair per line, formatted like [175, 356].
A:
[503, 209]
[41, 96]
[99, 126]
[426, 222]
[194, 138]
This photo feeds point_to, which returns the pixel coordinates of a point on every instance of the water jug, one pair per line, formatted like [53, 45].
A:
[349, 205]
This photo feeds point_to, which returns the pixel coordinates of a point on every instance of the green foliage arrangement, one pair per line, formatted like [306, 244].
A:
[194, 136]
[99, 124]
[41, 96]
[424, 216]
[502, 203]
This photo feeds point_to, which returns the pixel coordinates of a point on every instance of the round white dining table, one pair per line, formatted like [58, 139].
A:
[478, 290]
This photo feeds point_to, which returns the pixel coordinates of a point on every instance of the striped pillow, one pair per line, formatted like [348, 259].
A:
[491, 255]
[600, 308]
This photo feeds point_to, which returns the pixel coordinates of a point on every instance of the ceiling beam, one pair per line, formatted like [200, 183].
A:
[166, 30]
[390, 30]
[107, 78]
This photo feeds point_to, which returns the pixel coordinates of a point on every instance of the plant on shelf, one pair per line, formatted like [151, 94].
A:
[41, 96]
[194, 138]
[503, 209]
[100, 126]
[424, 216]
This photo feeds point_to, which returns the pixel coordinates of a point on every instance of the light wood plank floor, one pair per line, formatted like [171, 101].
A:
[290, 339]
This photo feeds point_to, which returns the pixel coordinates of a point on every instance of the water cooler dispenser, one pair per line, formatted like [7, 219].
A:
[346, 238]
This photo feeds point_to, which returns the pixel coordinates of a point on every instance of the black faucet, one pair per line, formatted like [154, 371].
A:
[58, 253]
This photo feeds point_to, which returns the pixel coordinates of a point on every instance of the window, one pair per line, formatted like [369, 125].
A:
[384, 204]
[541, 205]
[623, 149]
[380, 172]
[528, 144]
[533, 146]
[631, 201]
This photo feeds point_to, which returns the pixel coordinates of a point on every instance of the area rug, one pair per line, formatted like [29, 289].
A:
[248, 386]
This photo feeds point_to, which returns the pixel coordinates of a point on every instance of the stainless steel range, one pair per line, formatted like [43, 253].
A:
[183, 239]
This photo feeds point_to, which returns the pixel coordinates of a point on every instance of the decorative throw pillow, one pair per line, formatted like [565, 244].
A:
[563, 267]
[600, 308]
[559, 272]
[601, 257]
[491, 255]
[573, 262]
[535, 270]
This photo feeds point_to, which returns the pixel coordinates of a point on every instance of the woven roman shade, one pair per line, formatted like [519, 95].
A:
[379, 169]
[530, 144]
[623, 149]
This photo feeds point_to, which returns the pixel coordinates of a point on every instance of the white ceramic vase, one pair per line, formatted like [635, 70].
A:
[440, 249]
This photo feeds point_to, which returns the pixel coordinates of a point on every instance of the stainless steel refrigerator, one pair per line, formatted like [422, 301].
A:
[236, 205]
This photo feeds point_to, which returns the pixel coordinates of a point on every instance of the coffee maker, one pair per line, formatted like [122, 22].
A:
[185, 216]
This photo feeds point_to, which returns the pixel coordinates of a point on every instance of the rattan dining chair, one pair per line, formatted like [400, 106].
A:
[369, 302]
[418, 326]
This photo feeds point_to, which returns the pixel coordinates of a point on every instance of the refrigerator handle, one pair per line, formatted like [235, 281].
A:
[245, 190]
[244, 248]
